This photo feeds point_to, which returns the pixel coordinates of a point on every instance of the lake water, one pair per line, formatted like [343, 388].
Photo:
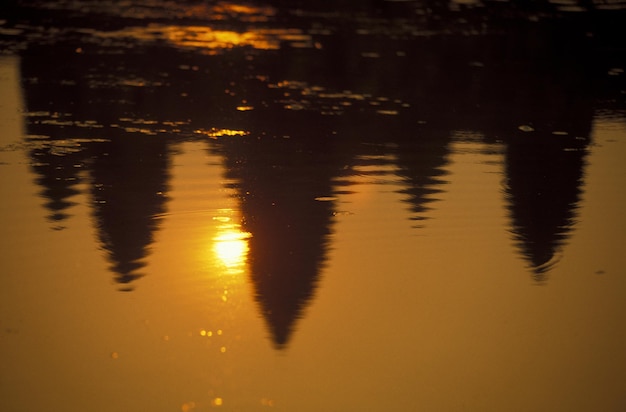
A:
[248, 207]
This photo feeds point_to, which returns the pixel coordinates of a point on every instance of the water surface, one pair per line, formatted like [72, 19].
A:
[258, 206]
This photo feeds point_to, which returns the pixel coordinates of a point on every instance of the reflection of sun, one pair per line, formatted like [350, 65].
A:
[231, 248]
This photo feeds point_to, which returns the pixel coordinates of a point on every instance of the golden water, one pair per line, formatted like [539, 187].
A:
[226, 272]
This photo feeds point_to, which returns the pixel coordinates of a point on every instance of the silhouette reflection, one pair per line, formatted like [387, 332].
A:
[284, 187]
[422, 164]
[543, 187]
[74, 138]
[56, 157]
[58, 175]
[544, 115]
[129, 185]
[314, 97]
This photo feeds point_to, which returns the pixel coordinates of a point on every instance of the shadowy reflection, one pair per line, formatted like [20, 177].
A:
[74, 137]
[317, 94]
[421, 163]
[128, 187]
[529, 88]
[544, 118]
[58, 175]
[56, 157]
[543, 186]
[284, 187]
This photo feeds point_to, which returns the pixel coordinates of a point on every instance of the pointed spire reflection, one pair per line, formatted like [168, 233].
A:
[421, 163]
[129, 182]
[284, 187]
[58, 175]
[543, 187]
[72, 134]
[369, 83]
[55, 157]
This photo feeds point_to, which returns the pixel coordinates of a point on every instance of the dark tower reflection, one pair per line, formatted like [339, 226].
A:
[56, 159]
[551, 108]
[73, 135]
[527, 88]
[421, 163]
[377, 76]
[284, 187]
[543, 187]
[129, 185]
[58, 176]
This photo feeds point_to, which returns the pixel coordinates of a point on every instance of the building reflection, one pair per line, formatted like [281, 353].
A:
[128, 188]
[543, 186]
[544, 115]
[58, 176]
[284, 188]
[422, 161]
[73, 137]
[56, 159]
[313, 101]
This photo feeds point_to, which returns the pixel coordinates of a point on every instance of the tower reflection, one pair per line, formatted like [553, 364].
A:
[57, 175]
[312, 99]
[543, 187]
[285, 205]
[73, 137]
[129, 186]
[546, 129]
[422, 162]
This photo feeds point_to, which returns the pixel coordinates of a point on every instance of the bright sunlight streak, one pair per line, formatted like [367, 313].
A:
[231, 248]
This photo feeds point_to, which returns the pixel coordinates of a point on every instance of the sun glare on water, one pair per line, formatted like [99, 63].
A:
[231, 248]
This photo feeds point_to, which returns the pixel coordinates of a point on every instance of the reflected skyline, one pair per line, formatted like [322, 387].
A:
[294, 119]
[310, 205]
